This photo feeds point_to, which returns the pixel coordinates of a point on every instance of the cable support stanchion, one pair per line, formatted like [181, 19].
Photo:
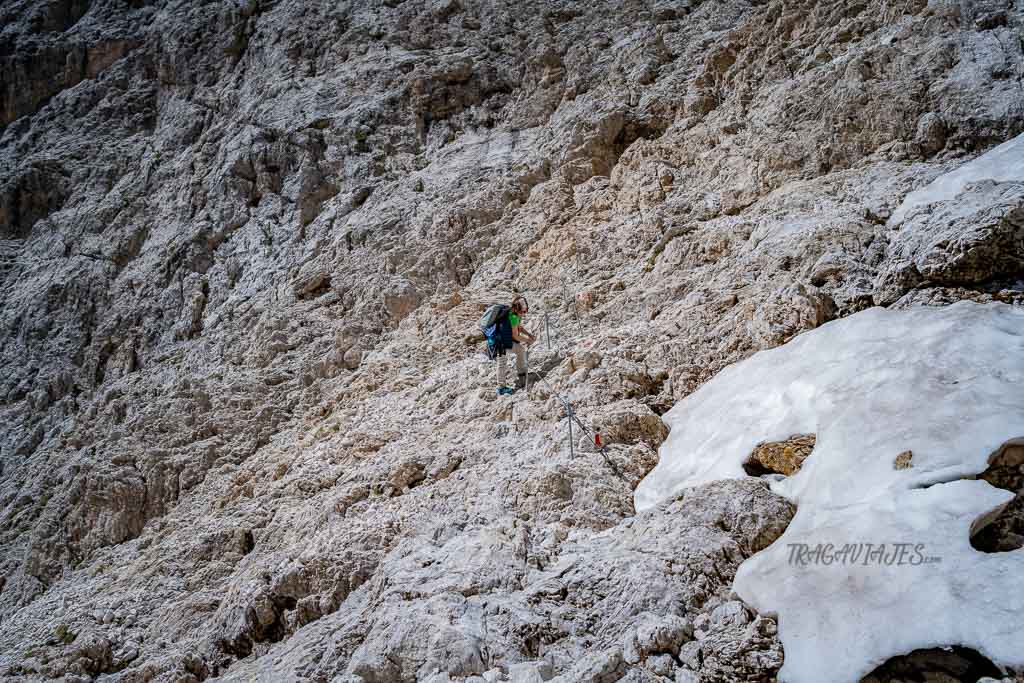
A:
[573, 416]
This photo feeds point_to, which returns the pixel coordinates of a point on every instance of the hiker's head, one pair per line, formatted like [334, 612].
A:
[519, 305]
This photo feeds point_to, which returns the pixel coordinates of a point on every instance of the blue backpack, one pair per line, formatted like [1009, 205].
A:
[497, 329]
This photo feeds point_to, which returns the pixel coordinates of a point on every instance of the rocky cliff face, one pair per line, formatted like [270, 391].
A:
[247, 429]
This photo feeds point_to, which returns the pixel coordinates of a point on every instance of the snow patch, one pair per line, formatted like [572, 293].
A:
[1003, 164]
[944, 383]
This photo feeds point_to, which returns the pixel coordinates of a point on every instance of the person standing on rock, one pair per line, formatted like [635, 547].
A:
[503, 327]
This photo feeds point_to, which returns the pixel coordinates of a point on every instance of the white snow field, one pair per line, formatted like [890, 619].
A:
[1003, 164]
[944, 383]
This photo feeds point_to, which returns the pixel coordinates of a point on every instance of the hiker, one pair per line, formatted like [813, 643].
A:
[503, 327]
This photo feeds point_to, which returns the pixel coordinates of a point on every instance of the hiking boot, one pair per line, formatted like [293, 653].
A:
[506, 391]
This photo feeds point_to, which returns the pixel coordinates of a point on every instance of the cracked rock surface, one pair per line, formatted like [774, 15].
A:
[246, 427]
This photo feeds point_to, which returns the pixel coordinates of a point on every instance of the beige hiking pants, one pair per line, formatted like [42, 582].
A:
[520, 352]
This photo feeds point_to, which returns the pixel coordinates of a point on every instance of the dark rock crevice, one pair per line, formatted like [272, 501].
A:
[954, 663]
[29, 81]
[31, 196]
[1002, 530]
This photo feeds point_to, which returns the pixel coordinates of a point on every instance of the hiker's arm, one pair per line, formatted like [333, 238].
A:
[522, 335]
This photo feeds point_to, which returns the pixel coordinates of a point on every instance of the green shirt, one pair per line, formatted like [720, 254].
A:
[513, 319]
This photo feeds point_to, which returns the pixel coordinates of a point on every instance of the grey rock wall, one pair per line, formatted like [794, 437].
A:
[243, 246]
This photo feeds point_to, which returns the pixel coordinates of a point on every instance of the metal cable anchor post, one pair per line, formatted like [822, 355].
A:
[569, 417]
[526, 377]
[547, 332]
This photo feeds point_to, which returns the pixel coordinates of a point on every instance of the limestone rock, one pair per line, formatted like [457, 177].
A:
[931, 133]
[243, 248]
[977, 237]
[904, 460]
[780, 457]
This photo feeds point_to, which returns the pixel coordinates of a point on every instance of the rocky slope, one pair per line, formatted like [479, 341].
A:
[247, 429]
